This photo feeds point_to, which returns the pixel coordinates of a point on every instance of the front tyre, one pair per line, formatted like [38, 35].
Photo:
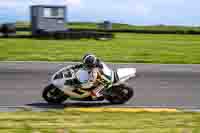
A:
[53, 95]
[120, 94]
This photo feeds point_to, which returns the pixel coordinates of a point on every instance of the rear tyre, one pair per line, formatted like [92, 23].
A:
[53, 95]
[120, 94]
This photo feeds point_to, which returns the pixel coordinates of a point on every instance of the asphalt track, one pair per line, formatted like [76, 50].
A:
[177, 86]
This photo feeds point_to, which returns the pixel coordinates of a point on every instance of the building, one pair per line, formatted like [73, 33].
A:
[48, 18]
[106, 25]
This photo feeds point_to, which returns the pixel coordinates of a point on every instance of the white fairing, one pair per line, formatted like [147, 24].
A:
[107, 71]
[126, 73]
[83, 76]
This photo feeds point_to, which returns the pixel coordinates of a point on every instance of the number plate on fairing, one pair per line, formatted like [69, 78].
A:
[82, 76]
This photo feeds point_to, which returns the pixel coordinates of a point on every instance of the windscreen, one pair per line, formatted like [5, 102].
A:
[107, 71]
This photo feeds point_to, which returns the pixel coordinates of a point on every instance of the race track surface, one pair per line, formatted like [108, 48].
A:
[21, 84]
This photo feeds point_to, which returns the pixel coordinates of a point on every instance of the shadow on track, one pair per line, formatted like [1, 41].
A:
[43, 105]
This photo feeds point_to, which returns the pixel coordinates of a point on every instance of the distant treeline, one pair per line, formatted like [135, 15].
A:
[128, 31]
[124, 28]
[143, 31]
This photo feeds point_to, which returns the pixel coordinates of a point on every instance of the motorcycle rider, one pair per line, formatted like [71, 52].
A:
[93, 66]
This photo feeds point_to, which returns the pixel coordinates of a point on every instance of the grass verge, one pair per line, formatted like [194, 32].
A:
[99, 122]
[135, 48]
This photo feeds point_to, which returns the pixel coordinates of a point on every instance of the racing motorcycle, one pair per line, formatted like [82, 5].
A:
[118, 92]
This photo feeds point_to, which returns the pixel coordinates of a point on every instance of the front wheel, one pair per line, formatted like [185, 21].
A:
[120, 94]
[53, 95]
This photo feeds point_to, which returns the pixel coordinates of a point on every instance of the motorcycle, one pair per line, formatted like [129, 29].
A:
[118, 92]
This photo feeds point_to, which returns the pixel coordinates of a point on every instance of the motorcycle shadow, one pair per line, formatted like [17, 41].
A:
[44, 105]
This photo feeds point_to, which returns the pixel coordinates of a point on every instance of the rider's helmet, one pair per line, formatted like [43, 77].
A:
[90, 60]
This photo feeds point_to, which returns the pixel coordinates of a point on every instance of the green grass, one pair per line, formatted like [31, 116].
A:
[102, 122]
[135, 48]
[82, 25]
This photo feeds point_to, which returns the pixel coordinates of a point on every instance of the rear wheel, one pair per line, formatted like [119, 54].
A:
[53, 95]
[120, 94]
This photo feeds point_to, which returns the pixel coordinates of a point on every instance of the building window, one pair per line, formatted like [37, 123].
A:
[61, 12]
[54, 12]
[47, 12]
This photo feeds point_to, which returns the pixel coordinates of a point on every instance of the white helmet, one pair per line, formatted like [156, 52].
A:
[90, 60]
